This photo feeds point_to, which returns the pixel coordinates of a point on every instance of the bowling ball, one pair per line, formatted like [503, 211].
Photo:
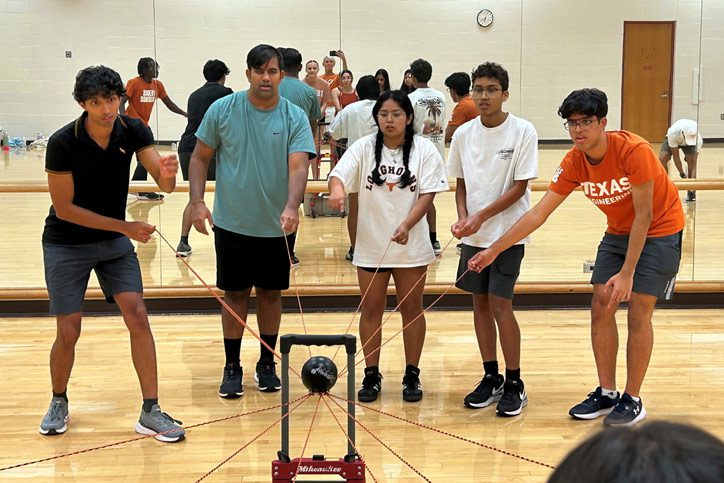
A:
[319, 374]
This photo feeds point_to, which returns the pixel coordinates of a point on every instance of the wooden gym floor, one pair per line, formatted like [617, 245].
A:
[685, 382]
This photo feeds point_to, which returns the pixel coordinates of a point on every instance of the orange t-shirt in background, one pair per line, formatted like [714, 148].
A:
[464, 111]
[142, 96]
[331, 79]
[629, 161]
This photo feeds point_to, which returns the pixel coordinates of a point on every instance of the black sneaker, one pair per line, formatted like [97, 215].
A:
[594, 406]
[231, 384]
[294, 260]
[691, 196]
[489, 390]
[350, 254]
[626, 413]
[682, 175]
[411, 387]
[514, 398]
[371, 385]
[148, 196]
[266, 377]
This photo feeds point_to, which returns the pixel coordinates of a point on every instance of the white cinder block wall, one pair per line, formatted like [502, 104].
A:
[549, 48]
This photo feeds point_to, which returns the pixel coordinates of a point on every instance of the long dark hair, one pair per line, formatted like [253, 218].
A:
[404, 102]
[384, 74]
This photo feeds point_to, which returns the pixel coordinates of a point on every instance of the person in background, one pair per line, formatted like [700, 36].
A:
[215, 72]
[383, 79]
[407, 85]
[684, 136]
[458, 85]
[328, 63]
[141, 95]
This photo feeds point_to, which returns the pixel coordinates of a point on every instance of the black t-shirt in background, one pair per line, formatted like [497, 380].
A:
[199, 102]
[100, 177]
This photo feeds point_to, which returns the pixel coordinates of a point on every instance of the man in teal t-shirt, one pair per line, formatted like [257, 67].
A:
[263, 145]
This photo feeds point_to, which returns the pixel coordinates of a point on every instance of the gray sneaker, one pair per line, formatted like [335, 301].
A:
[56, 418]
[161, 425]
[183, 249]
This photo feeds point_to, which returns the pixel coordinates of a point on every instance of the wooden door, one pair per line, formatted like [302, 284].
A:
[648, 61]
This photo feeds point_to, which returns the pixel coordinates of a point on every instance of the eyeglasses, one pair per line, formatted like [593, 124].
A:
[583, 124]
[487, 91]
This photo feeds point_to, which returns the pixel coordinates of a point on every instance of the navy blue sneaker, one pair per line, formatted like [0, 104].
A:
[594, 406]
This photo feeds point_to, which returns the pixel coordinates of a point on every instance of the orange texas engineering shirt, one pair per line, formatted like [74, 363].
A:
[142, 96]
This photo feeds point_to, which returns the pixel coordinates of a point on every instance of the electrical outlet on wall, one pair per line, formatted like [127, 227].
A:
[721, 116]
[588, 266]
[68, 54]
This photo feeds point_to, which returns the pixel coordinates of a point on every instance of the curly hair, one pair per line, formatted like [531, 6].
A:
[97, 80]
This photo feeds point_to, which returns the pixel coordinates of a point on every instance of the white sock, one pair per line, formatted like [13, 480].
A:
[637, 399]
[612, 393]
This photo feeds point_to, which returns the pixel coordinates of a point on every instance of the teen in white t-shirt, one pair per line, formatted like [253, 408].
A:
[429, 105]
[493, 158]
[396, 175]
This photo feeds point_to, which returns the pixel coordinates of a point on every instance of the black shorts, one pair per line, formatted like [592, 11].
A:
[378, 270]
[657, 267]
[244, 261]
[184, 160]
[498, 278]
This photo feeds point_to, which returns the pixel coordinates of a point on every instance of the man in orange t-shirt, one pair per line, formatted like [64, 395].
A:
[141, 94]
[458, 85]
[638, 258]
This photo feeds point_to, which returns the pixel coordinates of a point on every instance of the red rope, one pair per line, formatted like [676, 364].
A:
[380, 441]
[364, 295]
[225, 305]
[415, 423]
[296, 290]
[227, 459]
[348, 438]
[309, 433]
[344, 371]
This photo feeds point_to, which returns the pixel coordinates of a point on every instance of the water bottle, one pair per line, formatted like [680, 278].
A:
[38, 136]
[5, 141]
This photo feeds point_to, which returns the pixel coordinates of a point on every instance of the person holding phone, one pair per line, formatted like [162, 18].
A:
[328, 63]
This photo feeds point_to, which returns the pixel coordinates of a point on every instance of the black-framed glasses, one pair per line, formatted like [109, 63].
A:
[487, 91]
[583, 124]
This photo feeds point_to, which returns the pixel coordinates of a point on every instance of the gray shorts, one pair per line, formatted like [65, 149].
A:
[665, 148]
[68, 268]
[498, 278]
[657, 267]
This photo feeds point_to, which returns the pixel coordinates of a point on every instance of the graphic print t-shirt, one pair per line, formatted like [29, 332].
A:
[383, 208]
[141, 97]
[429, 107]
[629, 161]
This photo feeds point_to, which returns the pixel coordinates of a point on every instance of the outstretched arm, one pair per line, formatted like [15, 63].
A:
[526, 225]
[173, 107]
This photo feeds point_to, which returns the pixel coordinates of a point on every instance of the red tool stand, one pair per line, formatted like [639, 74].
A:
[350, 468]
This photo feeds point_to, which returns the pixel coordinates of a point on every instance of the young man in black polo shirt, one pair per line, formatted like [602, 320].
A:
[88, 163]
[215, 72]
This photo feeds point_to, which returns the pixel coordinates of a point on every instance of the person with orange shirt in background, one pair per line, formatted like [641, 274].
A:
[328, 63]
[458, 85]
[638, 257]
[324, 94]
[141, 94]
